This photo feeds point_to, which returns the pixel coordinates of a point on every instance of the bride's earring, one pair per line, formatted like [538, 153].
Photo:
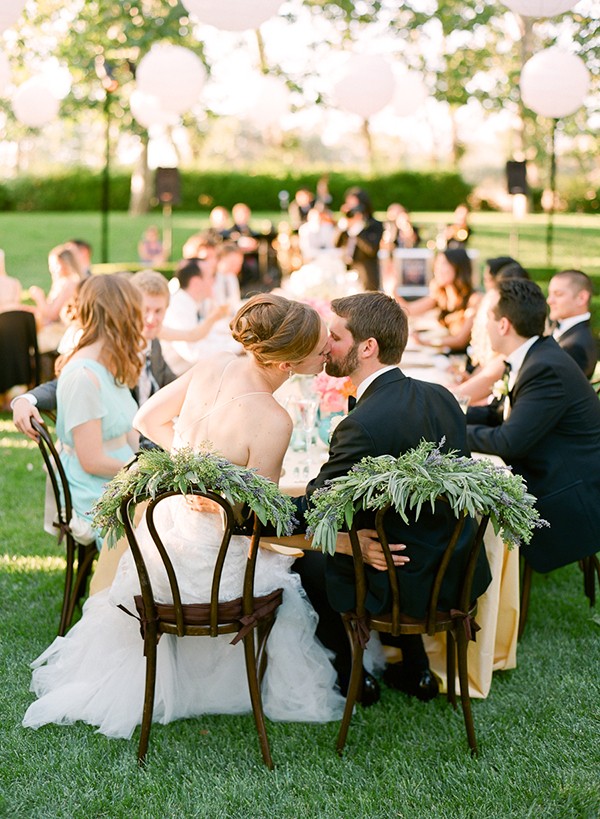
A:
[291, 373]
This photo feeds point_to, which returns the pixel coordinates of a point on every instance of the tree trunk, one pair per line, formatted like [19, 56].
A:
[141, 182]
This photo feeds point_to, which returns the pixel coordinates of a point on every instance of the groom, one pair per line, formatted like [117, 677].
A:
[393, 413]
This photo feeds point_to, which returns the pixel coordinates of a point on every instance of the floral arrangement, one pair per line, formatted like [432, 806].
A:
[420, 476]
[333, 393]
[156, 471]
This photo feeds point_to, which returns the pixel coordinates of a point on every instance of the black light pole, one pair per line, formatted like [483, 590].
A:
[110, 85]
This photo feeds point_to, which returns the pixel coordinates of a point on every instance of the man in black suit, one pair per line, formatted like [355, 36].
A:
[359, 234]
[552, 435]
[155, 372]
[569, 296]
[393, 413]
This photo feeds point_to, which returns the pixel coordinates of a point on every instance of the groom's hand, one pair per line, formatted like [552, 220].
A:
[371, 549]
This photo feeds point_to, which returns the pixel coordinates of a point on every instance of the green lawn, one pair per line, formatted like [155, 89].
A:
[539, 730]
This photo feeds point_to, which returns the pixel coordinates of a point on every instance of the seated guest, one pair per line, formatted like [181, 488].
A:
[247, 240]
[226, 285]
[52, 310]
[202, 246]
[451, 294]
[359, 235]
[83, 251]
[190, 316]
[551, 431]
[458, 232]
[300, 206]
[219, 220]
[317, 234]
[569, 296]
[150, 248]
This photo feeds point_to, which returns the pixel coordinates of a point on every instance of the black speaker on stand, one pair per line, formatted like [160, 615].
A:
[516, 181]
[167, 185]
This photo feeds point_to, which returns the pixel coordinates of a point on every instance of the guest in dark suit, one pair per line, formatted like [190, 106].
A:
[360, 236]
[569, 296]
[393, 413]
[552, 434]
[154, 375]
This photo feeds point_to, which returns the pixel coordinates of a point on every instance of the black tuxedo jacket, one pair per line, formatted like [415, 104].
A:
[552, 439]
[394, 415]
[579, 342]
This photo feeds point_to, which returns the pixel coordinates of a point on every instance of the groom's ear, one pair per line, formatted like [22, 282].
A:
[370, 348]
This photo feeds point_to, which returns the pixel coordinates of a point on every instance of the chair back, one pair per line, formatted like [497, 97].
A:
[463, 599]
[56, 476]
[19, 356]
[204, 617]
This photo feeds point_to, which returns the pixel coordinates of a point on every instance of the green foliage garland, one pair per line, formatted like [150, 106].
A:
[156, 471]
[420, 476]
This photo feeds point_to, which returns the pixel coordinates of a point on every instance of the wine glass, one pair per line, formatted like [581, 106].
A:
[306, 410]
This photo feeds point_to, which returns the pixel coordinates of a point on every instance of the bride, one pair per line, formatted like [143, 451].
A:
[96, 672]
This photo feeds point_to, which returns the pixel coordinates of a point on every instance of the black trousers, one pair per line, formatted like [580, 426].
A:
[331, 631]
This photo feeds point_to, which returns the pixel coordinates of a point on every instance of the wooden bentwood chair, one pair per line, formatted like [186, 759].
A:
[79, 556]
[246, 617]
[458, 623]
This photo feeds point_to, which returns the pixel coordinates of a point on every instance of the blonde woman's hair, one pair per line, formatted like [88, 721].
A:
[276, 330]
[151, 283]
[109, 308]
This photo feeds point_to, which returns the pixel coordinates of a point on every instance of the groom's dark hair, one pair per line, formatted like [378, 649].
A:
[375, 315]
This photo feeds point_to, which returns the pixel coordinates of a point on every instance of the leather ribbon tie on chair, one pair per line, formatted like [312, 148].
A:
[63, 530]
[250, 621]
[143, 621]
[470, 625]
[359, 625]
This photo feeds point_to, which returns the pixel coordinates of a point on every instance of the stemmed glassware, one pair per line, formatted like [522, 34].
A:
[306, 418]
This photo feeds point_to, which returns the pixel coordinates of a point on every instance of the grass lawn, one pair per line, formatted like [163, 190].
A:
[539, 730]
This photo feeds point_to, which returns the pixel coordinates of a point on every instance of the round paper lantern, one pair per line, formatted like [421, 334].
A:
[410, 94]
[10, 11]
[148, 111]
[366, 86]
[233, 15]
[4, 71]
[34, 104]
[540, 8]
[172, 74]
[554, 83]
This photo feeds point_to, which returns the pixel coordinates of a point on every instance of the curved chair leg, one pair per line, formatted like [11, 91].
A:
[462, 645]
[262, 633]
[525, 592]
[85, 560]
[66, 613]
[451, 668]
[356, 678]
[150, 647]
[255, 697]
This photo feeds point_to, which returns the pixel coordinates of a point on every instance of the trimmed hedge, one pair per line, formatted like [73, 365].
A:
[81, 190]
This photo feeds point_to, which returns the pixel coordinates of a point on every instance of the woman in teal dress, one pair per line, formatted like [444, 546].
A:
[95, 407]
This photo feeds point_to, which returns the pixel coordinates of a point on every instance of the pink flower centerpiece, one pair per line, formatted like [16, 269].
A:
[333, 392]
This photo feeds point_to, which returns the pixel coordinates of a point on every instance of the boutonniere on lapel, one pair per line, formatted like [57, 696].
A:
[500, 388]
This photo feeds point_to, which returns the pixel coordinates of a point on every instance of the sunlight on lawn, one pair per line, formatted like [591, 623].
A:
[31, 563]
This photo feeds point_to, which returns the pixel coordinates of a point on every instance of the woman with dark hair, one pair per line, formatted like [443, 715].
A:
[225, 405]
[451, 294]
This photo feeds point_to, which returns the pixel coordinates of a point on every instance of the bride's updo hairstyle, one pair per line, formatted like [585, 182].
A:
[276, 330]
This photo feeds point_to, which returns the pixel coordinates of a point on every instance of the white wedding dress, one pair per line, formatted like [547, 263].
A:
[96, 673]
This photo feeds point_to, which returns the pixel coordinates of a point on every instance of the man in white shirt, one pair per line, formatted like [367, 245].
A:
[569, 296]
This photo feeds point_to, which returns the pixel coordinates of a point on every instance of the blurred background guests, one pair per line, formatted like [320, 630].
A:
[10, 289]
[452, 296]
[317, 235]
[191, 316]
[569, 297]
[300, 206]
[458, 232]
[226, 285]
[219, 221]
[359, 235]
[150, 248]
[51, 311]
[83, 251]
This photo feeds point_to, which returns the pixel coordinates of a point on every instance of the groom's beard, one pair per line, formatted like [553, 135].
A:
[345, 366]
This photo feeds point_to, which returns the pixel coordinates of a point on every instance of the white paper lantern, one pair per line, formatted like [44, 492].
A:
[4, 72]
[34, 104]
[554, 83]
[172, 74]
[540, 8]
[148, 111]
[10, 11]
[366, 86]
[233, 15]
[410, 94]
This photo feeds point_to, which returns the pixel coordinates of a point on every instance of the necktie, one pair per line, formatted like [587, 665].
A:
[148, 383]
[351, 402]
